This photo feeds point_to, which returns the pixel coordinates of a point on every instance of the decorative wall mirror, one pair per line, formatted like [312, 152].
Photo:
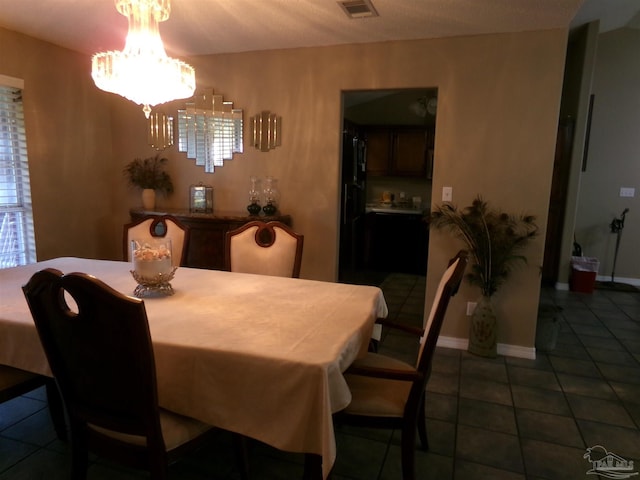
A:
[210, 130]
[266, 131]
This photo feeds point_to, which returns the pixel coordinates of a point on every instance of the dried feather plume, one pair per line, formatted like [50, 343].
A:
[495, 239]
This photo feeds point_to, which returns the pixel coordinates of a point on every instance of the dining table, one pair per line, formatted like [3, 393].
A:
[258, 355]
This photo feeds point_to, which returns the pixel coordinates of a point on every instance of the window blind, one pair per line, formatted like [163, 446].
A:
[17, 240]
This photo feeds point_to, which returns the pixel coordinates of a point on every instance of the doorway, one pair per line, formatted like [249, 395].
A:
[387, 164]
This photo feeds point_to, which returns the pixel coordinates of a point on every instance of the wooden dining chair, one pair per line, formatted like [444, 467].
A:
[158, 226]
[100, 352]
[15, 382]
[270, 248]
[389, 393]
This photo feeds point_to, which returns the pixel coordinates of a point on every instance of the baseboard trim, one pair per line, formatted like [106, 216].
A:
[503, 348]
[629, 281]
[604, 278]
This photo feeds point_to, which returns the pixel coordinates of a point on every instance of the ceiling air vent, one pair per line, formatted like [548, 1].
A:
[358, 8]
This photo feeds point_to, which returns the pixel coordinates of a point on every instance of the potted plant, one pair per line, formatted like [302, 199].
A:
[149, 175]
[495, 240]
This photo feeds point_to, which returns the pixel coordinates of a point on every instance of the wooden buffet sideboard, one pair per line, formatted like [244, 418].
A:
[207, 232]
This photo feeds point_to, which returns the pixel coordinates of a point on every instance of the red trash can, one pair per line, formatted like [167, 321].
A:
[583, 274]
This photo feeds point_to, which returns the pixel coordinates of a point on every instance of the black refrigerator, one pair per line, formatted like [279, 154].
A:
[353, 201]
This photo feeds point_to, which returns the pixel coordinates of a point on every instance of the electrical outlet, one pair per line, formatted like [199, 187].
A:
[471, 307]
[627, 192]
[447, 194]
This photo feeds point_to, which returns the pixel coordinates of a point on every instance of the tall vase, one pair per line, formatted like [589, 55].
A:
[483, 330]
[148, 198]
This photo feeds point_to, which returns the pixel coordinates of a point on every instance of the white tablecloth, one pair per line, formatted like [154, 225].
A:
[261, 356]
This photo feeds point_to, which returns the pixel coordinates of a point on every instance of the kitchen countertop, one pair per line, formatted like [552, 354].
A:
[394, 208]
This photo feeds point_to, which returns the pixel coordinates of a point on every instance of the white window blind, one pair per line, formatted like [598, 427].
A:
[17, 241]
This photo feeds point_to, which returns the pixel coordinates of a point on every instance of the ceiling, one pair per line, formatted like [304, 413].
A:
[198, 27]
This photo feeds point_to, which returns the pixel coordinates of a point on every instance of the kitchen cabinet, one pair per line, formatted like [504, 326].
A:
[398, 151]
[207, 233]
[396, 242]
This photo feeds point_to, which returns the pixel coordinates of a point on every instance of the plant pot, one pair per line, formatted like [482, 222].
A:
[483, 330]
[148, 198]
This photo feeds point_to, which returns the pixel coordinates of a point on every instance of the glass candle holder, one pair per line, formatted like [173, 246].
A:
[254, 195]
[271, 196]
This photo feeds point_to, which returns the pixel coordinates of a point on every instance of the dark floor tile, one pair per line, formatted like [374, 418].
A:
[629, 334]
[620, 373]
[573, 350]
[377, 434]
[36, 429]
[533, 377]
[13, 452]
[541, 362]
[485, 390]
[623, 441]
[610, 343]
[358, 457]
[575, 366]
[491, 416]
[441, 437]
[548, 428]
[617, 357]
[540, 399]
[633, 409]
[495, 371]
[446, 362]
[627, 392]
[495, 449]
[43, 464]
[428, 466]
[598, 410]
[587, 386]
[582, 317]
[467, 470]
[18, 408]
[552, 461]
[444, 383]
[441, 407]
[632, 345]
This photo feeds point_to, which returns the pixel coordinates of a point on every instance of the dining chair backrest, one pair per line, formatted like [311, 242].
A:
[390, 393]
[447, 287]
[270, 248]
[158, 226]
[99, 349]
[98, 346]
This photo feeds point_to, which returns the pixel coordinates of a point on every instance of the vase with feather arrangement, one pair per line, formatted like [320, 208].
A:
[495, 240]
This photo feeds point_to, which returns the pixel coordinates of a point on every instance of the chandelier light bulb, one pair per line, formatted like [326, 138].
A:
[142, 72]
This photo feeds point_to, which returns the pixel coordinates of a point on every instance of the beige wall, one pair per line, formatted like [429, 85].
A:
[69, 147]
[613, 158]
[498, 102]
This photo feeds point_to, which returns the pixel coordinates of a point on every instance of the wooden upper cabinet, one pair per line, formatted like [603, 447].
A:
[378, 151]
[397, 151]
[410, 153]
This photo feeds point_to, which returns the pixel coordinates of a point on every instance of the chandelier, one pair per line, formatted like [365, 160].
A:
[142, 72]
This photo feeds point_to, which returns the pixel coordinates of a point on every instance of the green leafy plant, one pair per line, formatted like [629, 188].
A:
[494, 238]
[149, 173]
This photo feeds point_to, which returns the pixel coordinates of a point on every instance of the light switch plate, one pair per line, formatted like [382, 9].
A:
[447, 194]
[627, 192]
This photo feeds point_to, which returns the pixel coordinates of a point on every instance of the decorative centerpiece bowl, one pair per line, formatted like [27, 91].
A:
[152, 267]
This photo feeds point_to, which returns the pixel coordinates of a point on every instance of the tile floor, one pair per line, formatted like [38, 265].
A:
[504, 418]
